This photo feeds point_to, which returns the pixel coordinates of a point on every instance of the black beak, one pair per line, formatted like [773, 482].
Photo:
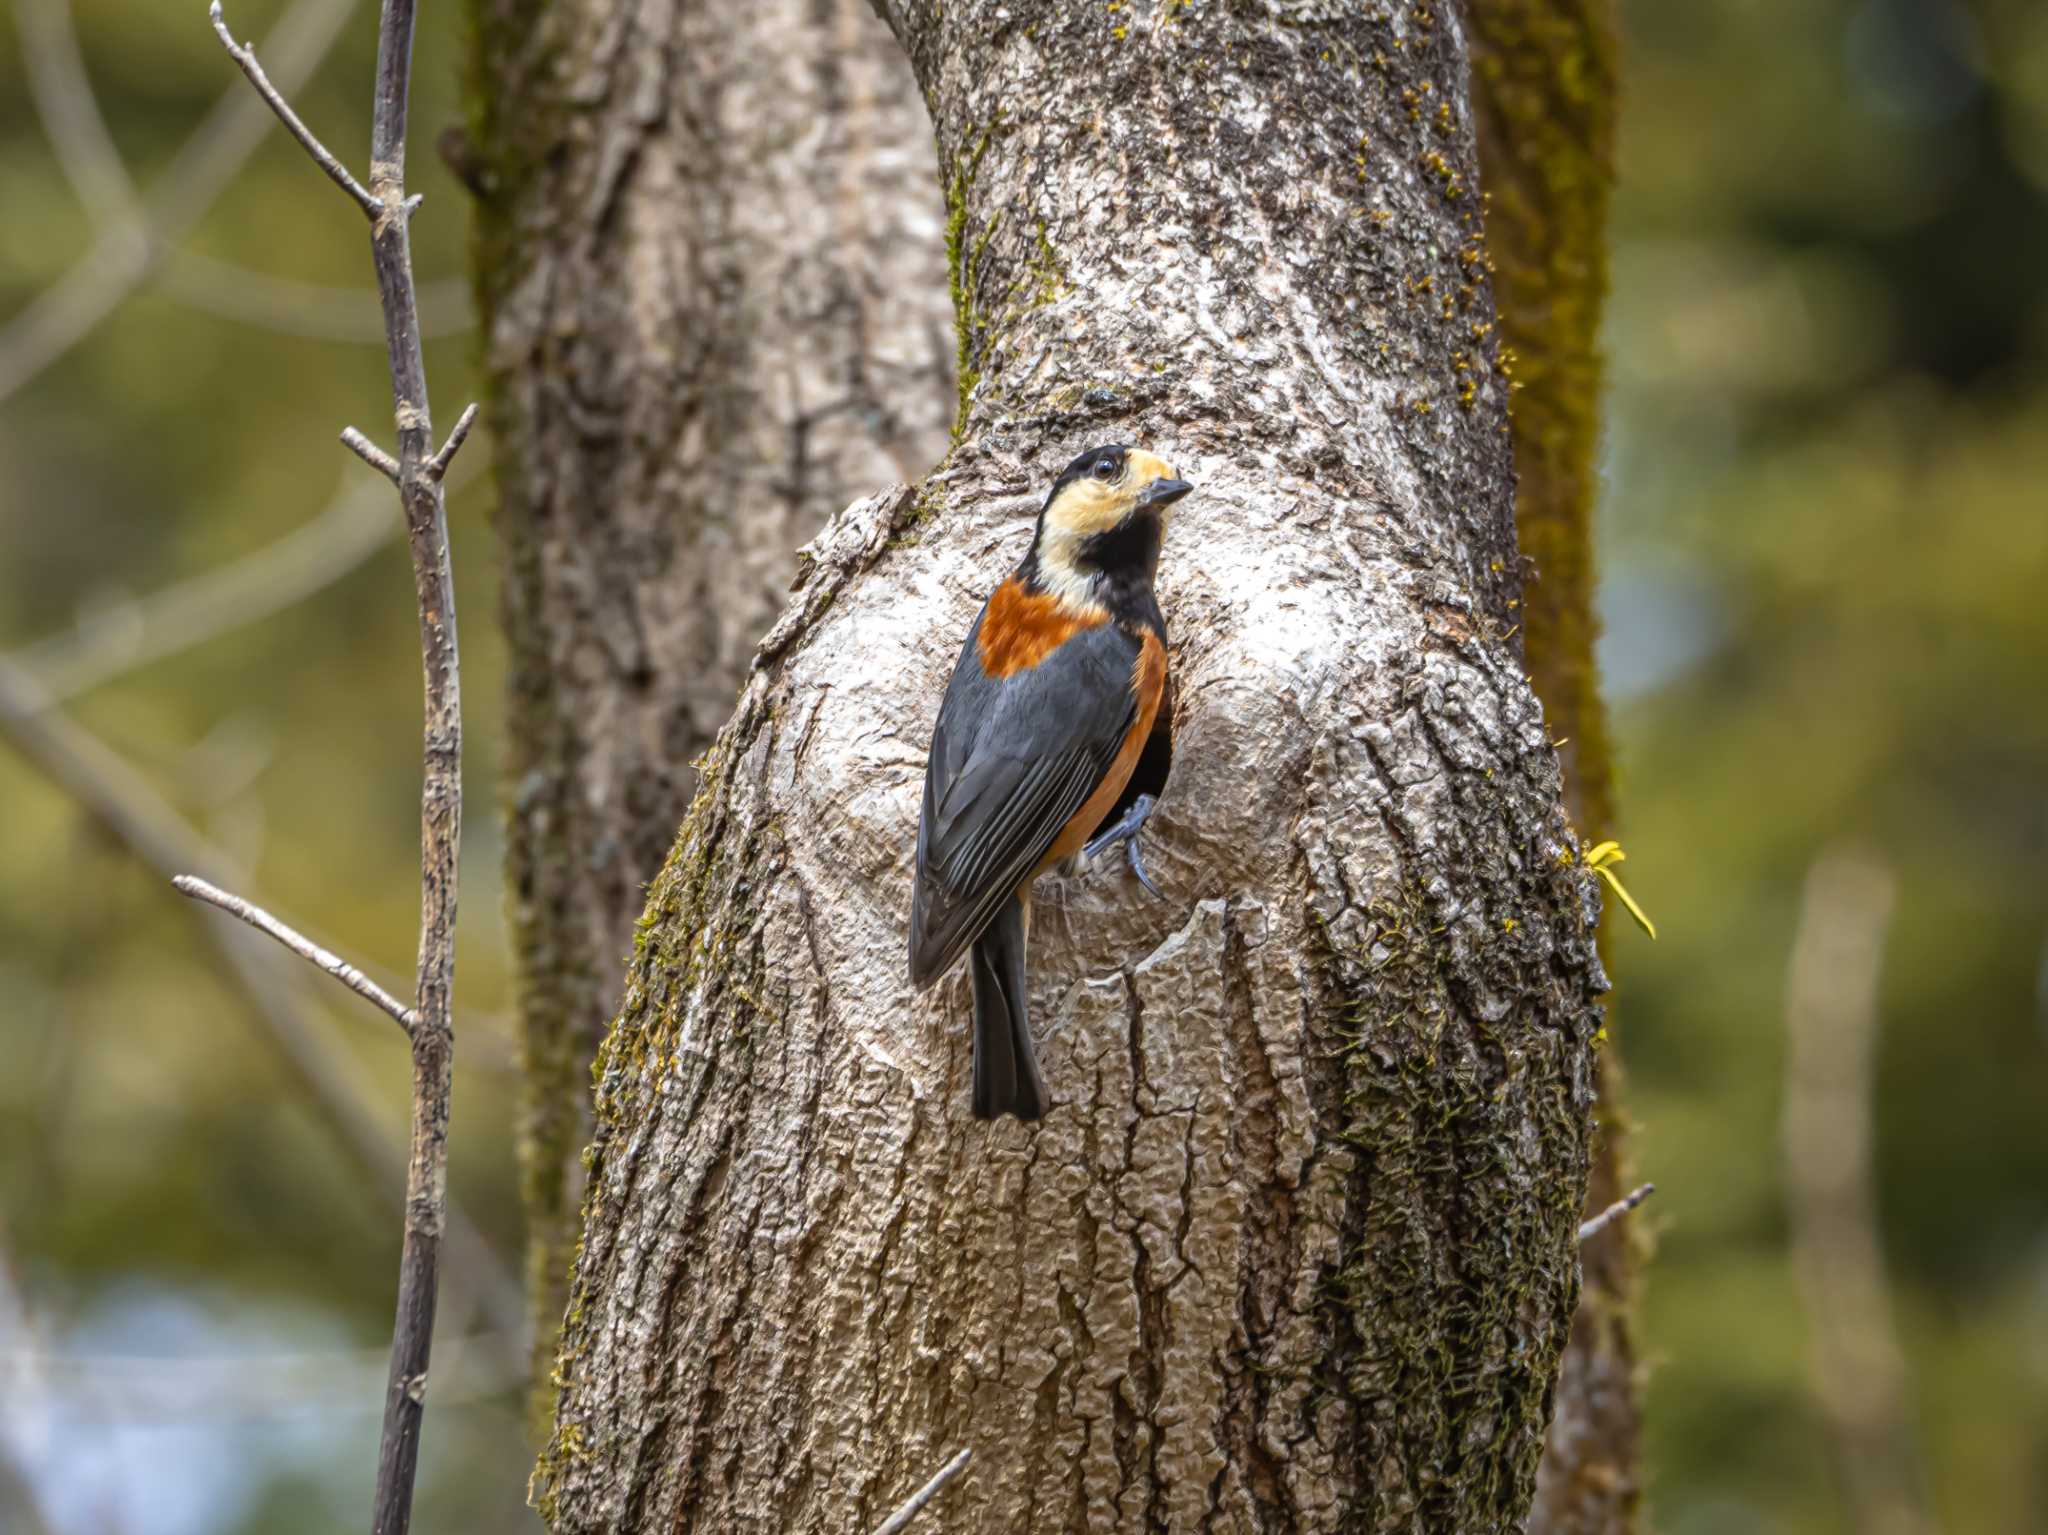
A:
[1163, 492]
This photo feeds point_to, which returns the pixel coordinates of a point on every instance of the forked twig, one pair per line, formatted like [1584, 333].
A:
[244, 55]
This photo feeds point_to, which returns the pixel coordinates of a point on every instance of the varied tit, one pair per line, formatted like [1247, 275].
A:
[1054, 740]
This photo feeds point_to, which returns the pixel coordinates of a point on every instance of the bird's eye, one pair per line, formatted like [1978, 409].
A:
[1106, 468]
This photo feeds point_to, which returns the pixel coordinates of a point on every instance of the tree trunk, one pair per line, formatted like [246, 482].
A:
[1545, 87]
[709, 259]
[1295, 1248]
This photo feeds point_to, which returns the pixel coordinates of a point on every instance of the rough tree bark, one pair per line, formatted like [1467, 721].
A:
[1295, 1248]
[710, 265]
[1544, 84]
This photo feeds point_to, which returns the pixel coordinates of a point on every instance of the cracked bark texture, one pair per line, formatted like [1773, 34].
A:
[1295, 1248]
[1544, 80]
[709, 257]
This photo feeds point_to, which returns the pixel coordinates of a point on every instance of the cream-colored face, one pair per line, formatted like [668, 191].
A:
[1090, 505]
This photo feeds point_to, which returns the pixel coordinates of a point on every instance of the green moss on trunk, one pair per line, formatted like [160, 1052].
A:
[1545, 86]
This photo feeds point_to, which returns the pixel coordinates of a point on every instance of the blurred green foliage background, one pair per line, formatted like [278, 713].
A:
[1825, 580]
[1825, 586]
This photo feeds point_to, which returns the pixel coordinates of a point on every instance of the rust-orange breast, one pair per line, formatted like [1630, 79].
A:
[1022, 628]
[1148, 687]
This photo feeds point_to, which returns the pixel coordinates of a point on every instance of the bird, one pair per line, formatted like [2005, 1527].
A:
[1053, 742]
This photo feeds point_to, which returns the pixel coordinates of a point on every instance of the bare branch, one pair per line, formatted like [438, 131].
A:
[370, 453]
[322, 156]
[311, 952]
[901, 1518]
[1615, 1211]
[423, 497]
[437, 466]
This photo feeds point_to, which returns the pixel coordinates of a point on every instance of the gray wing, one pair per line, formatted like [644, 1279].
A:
[1012, 762]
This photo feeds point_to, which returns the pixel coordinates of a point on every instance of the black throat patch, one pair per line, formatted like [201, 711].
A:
[1129, 548]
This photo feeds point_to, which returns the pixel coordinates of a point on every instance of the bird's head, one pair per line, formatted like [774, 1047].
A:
[1105, 516]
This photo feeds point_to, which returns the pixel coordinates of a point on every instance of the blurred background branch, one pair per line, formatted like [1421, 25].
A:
[126, 636]
[1831, 1026]
[70, 115]
[232, 1387]
[128, 809]
[130, 248]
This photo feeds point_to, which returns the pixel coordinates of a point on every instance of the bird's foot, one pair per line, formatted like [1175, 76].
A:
[1126, 831]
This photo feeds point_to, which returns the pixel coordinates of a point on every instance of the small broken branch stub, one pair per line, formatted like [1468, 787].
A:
[1615, 1211]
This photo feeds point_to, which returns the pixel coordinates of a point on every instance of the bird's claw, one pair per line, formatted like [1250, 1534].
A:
[1138, 868]
[1126, 831]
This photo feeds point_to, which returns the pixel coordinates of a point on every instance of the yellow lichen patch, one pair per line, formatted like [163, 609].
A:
[1445, 173]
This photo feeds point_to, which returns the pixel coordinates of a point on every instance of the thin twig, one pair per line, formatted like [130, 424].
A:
[311, 952]
[931, 1489]
[245, 56]
[437, 466]
[1616, 1211]
[423, 496]
[370, 453]
[127, 251]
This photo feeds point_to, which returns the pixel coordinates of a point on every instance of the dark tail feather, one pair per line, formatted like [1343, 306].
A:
[1006, 1079]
